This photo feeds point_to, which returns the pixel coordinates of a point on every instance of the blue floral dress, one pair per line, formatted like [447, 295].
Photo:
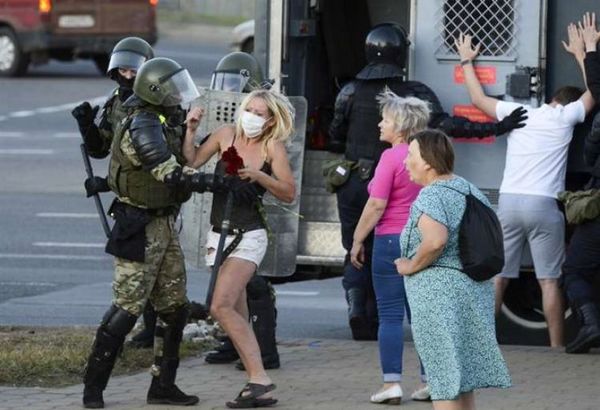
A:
[452, 315]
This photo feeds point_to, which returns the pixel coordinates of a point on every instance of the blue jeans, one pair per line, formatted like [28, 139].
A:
[391, 303]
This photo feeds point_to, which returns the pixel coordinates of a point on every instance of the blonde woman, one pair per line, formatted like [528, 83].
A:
[391, 194]
[264, 122]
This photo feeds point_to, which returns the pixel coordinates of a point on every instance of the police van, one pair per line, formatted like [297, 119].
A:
[312, 47]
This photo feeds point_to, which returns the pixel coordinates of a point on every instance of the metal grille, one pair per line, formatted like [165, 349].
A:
[225, 112]
[491, 22]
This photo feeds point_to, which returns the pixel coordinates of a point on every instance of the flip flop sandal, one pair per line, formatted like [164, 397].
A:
[249, 397]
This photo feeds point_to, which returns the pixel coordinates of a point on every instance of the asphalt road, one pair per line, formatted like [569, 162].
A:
[53, 269]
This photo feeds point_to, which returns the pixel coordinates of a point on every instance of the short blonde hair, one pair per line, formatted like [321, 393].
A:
[409, 114]
[282, 112]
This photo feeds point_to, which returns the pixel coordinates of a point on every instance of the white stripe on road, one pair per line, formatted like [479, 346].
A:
[50, 285]
[26, 151]
[38, 135]
[53, 256]
[296, 293]
[69, 245]
[51, 109]
[21, 114]
[66, 135]
[64, 215]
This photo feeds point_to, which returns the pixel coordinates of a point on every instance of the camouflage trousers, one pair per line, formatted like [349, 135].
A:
[161, 278]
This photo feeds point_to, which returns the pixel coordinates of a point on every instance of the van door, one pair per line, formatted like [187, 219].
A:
[512, 47]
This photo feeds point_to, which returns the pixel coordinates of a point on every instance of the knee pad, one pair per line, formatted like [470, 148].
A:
[173, 332]
[118, 322]
[258, 288]
[176, 319]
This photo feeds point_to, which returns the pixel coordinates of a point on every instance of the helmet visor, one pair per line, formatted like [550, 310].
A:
[125, 59]
[179, 89]
[234, 82]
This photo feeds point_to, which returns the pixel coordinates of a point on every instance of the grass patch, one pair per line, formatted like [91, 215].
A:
[55, 357]
[175, 16]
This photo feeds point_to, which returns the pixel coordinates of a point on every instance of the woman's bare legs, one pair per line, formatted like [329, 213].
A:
[468, 400]
[226, 305]
[465, 401]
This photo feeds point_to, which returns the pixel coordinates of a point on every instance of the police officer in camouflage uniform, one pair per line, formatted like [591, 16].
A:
[354, 131]
[150, 182]
[241, 72]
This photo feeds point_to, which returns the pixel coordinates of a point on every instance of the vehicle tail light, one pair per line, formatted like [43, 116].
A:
[153, 3]
[45, 6]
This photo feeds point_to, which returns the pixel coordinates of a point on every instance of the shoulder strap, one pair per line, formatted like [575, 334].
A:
[455, 190]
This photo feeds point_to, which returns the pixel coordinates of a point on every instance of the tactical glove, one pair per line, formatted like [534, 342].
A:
[196, 182]
[95, 185]
[85, 114]
[515, 119]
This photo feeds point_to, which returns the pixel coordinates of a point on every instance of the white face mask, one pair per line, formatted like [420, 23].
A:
[252, 124]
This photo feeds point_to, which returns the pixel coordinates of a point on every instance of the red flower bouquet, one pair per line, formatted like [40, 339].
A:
[233, 161]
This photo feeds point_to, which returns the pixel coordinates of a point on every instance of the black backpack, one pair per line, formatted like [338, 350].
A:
[480, 241]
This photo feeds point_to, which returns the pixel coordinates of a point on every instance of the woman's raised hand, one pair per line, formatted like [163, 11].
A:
[194, 117]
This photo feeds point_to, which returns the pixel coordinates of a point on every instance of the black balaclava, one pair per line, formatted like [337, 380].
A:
[125, 85]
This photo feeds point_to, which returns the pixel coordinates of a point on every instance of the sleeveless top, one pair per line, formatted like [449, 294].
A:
[243, 216]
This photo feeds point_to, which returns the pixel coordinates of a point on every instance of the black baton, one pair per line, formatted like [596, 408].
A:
[220, 247]
[97, 201]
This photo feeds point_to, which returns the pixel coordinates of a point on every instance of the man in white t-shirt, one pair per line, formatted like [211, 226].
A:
[534, 173]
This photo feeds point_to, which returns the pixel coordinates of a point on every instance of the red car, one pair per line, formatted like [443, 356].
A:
[34, 31]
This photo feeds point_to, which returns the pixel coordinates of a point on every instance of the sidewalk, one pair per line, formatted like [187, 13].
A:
[341, 375]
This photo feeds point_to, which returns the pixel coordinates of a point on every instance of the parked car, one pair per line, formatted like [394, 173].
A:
[243, 37]
[34, 31]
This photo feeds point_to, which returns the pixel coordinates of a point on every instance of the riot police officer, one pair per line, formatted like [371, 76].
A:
[125, 60]
[241, 72]
[147, 175]
[354, 131]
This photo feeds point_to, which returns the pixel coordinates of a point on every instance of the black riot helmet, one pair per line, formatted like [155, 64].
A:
[386, 49]
[237, 72]
[164, 82]
[129, 53]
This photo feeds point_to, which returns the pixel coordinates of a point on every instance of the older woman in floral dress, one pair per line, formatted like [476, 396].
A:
[452, 315]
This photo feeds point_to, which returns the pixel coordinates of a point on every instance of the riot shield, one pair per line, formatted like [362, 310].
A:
[283, 219]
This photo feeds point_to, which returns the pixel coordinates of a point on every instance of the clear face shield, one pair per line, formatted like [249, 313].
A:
[228, 81]
[126, 59]
[180, 89]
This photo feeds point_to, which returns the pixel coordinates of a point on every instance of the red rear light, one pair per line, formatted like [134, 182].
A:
[45, 6]
[153, 2]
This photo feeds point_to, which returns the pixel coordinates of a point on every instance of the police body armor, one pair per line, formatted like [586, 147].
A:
[134, 182]
[363, 117]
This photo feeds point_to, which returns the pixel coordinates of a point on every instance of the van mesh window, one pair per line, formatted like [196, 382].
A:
[491, 22]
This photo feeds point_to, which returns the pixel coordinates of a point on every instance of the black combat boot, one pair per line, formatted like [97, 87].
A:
[163, 389]
[145, 338]
[107, 344]
[589, 332]
[224, 353]
[357, 314]
[263, 316]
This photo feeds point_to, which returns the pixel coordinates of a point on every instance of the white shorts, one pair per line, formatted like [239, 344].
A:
[538, 221]
[252, 247]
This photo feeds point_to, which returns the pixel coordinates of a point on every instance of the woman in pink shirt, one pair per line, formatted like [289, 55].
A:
[391, 194]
